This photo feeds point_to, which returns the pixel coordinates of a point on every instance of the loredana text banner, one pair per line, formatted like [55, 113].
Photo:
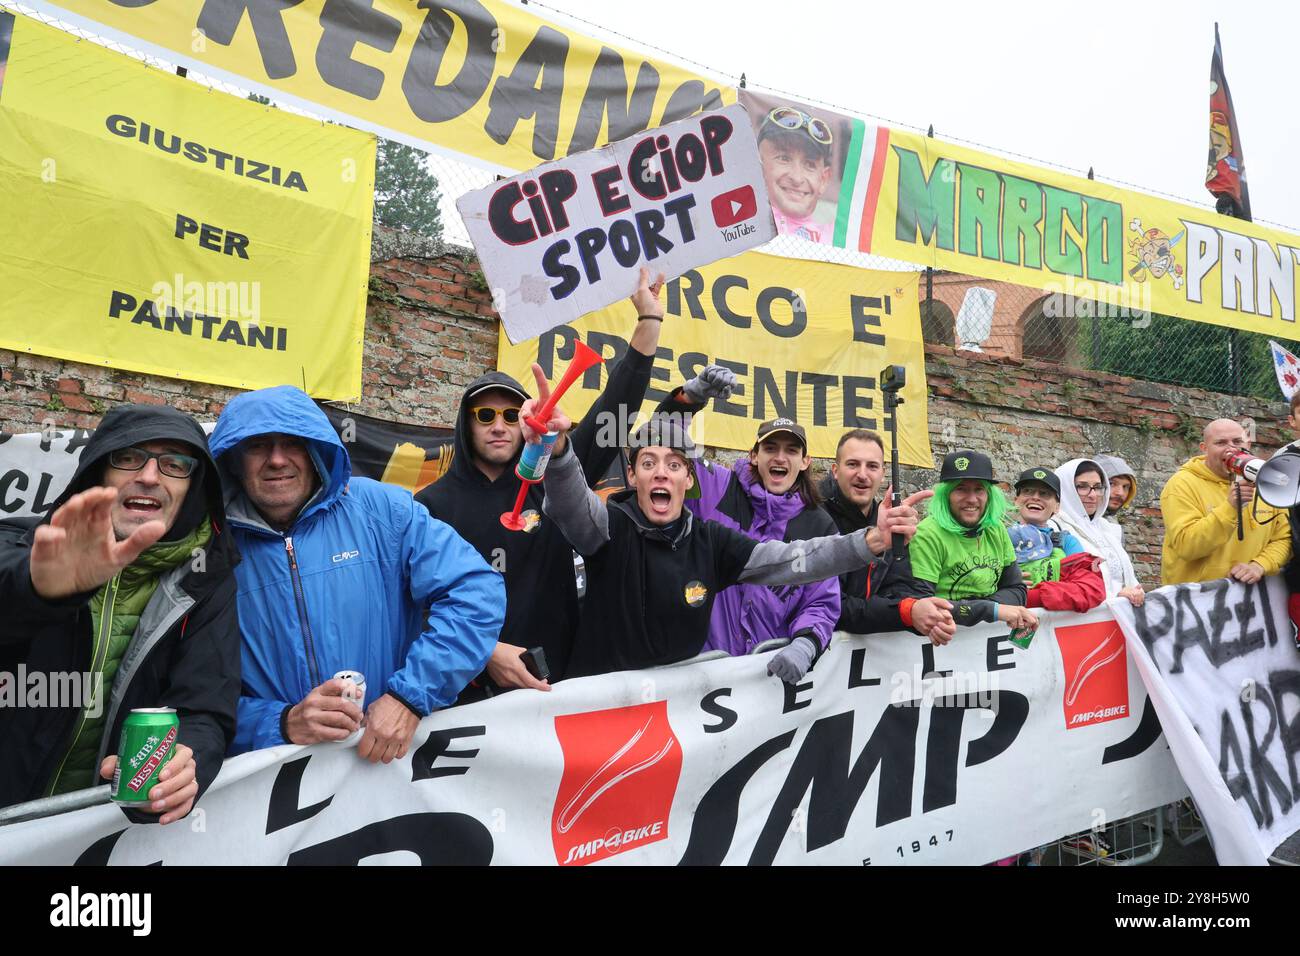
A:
[922, 200]
[1220, 662]
[151, 225]
[807, 340]
[482, 79]
[889, 752]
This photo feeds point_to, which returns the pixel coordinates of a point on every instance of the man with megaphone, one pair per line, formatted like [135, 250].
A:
[1214, 526]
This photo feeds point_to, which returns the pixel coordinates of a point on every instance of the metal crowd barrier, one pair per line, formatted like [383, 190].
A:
[53, 806]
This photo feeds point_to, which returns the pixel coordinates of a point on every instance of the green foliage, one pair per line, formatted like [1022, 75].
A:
[406, 193]
[1180, 352]
[55, 404]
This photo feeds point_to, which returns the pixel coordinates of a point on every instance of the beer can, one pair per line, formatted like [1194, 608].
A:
[148, 741]
[357, 678]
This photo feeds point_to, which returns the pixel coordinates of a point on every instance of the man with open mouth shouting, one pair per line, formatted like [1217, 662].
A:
[130, 583]
[655, 569]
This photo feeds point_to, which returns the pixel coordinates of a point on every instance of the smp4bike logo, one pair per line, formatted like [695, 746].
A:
[1096, 673]
[621, 768]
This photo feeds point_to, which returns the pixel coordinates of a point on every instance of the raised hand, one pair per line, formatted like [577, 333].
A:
[890, 519]
[559, 421]
[646, 297]
[78, 551]
[714, 381]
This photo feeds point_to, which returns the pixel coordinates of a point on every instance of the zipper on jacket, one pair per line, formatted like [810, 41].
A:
[300, 599]
[97, 658]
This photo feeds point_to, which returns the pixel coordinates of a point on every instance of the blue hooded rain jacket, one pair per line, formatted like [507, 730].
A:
[363, 580]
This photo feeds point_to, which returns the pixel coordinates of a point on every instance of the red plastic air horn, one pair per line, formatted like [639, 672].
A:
[533, 460]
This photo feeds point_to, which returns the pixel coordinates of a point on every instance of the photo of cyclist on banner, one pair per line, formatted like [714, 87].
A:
[802, 151]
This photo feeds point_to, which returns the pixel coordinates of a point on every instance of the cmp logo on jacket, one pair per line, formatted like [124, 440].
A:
[1096, 673]
[695, 593]
[621, 768]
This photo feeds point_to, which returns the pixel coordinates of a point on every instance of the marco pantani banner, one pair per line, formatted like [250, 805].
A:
[922, 200]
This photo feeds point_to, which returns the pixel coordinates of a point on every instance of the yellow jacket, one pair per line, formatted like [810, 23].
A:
[1201, 529]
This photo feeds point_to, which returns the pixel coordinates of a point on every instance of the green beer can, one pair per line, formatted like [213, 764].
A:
[148, 742]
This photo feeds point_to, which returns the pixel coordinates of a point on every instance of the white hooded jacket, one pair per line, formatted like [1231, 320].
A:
[1096, 534]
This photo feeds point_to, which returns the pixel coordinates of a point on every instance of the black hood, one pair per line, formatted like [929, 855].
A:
[673, 533]
[127, 425]
[462, 462]
[847, 515]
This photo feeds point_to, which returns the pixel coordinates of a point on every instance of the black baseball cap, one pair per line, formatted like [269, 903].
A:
[497, 387]
[1043, 476]
[777, 425]
[666, 431]
[966, 464]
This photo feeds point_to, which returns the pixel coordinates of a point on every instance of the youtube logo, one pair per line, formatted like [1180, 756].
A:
[734, 206]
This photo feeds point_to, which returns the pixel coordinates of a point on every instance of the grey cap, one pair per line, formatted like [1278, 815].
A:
[1115, 467]
[667, 431]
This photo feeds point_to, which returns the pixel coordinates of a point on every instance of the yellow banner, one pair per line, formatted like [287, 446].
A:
[958, 209]
[477, 77]
[150, 224]
[806, 340]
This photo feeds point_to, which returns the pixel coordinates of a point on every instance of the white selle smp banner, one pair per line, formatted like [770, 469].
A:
[1220, 662]
[570, 237]
[889, 752]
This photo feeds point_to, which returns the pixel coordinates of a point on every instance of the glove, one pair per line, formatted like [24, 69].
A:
[714, 381]
[794, 659]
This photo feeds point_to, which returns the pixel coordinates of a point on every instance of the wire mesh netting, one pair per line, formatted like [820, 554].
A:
[956, 310]
[1004, 319]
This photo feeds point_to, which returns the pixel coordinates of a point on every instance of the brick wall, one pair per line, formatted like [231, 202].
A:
[431, 330]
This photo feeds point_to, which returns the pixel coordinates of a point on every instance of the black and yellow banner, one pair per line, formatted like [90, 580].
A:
[807, 340]
[479, 78]
[412, 456]
[153, 225]
[958, 209]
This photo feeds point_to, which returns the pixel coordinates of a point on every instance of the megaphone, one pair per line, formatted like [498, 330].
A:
[1243, 463]
[1277, 480]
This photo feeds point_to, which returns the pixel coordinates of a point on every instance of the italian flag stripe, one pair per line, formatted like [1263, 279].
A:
[845, 214]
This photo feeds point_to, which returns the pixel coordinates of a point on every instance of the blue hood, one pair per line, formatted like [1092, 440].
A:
[1031, 543]
[289, 411]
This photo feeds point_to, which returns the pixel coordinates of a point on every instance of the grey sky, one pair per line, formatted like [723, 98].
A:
[1122, 87]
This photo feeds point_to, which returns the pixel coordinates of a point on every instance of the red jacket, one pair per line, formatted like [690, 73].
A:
[1080, 588]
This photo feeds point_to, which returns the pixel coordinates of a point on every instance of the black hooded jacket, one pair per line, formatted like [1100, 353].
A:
[538, 565]
[869, 599]
[185, 651]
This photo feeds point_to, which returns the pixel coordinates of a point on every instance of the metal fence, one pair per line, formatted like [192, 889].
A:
[1005, 319]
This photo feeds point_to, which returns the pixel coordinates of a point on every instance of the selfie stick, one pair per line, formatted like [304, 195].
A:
[892, 380]
[532, 462]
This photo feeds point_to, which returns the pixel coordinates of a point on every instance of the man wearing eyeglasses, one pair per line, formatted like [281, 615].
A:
[128, 585]
[342, 573]
[542, 589]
